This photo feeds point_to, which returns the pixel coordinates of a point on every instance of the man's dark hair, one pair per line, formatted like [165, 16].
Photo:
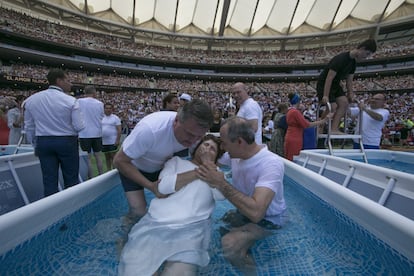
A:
[239, 127]
[168, 99]
[54, 75]
[198, 110]
[369, 45]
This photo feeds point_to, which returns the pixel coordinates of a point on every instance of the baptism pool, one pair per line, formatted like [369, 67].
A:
[318, 240]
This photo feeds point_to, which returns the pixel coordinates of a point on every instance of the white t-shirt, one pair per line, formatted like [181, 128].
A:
[250, 110]
[152, 142]
[93, 112]
[264, 169]
[371, 129]
[109, 129]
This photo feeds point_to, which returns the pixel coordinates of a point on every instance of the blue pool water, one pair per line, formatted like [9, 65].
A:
[390, 164]
[318, 240]
[395, 165]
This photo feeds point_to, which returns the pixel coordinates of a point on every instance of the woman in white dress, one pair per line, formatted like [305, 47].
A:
[176, 230]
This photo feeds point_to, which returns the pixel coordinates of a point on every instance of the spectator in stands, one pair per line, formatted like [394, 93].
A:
[52, 121]
[111, 134]
[248, 109]
[170, 103]
[90, 138]
[296, 123]
[4, 129]
[277, 142]
[184, 98]
[218, 120]
[374, 117]
[15, 120]
[152, 142]
[341, 67]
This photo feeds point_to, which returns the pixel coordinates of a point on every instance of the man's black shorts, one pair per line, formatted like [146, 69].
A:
[109, 148]
[336, 91]
[89, 144]
[130, 185]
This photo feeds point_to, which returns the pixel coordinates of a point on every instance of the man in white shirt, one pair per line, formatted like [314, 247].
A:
[151, 143]
[374, 118]
[90, 138]
[256, 191]
[248, 109]
[15, 121]
[52, 121]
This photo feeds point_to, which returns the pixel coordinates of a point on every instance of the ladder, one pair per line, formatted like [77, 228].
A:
[329, 137]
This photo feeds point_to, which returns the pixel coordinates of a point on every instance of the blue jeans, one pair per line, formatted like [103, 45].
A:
[55, 151]
[356, 146]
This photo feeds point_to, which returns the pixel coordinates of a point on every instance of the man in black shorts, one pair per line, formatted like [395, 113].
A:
[341, 67]
[151, 143]
[90, 138]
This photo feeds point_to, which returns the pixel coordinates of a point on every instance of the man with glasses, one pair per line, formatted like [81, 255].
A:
[374, 117]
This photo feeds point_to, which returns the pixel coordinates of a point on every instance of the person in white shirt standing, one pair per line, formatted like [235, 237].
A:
[90, 138]
[111, 134]
[52, 121]
[373, 120]
[15, 121]
[248, 109]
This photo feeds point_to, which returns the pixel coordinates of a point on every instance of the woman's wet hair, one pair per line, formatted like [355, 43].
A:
[213, 138]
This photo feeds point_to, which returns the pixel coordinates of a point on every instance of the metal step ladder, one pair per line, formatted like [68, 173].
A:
[329, 137]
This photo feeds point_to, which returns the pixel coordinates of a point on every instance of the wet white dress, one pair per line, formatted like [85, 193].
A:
[176, 228]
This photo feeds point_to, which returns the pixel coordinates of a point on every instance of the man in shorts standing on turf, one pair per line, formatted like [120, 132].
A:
[90, 138]
[151, 143]
[341, 67]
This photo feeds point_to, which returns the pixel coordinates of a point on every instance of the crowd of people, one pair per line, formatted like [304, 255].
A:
[131, 105]
[37, 28]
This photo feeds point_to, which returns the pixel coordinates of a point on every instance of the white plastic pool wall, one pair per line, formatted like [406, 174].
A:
[24, 223]
[392, 228]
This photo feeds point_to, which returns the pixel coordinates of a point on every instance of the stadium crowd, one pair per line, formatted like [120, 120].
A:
[132, 105]
[56, 32]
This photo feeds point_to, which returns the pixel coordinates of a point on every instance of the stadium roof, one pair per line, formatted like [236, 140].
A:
[231, 19]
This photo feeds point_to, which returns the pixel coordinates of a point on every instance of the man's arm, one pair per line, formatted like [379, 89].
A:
[374, 115]
[253, 207]
[77, 117]
[29, 127]
[118, 135]
[123, 163]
